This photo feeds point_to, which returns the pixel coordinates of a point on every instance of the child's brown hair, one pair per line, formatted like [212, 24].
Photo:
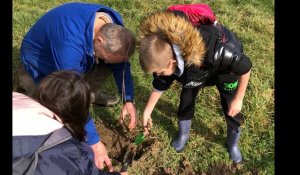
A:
[155, 53]
[66, 94]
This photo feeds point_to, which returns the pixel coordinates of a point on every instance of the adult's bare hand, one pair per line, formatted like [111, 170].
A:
[101, 156]
[129, 109]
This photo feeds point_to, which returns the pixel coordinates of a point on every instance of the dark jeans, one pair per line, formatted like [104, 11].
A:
[226, 85]
[95, 77]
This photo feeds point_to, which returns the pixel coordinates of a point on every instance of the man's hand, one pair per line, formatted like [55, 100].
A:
[147, 123]
[129, 109]
[235, 107]
[101, 156]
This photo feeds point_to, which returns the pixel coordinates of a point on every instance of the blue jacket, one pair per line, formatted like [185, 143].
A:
[62, 39]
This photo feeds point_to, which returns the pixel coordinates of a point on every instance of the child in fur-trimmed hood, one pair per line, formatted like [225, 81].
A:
[173, 49]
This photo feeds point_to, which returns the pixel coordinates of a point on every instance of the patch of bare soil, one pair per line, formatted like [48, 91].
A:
[118, 141]
[187, 169]
[221, 169]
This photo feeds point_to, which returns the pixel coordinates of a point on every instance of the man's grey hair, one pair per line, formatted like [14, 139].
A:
[118, 39]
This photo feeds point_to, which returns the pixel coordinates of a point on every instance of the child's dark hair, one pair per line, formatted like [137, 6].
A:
[67, 95]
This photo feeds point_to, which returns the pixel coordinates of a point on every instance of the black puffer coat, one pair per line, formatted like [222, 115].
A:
[207, 50]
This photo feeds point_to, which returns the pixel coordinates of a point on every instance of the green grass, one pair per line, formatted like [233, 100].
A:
[253, 21]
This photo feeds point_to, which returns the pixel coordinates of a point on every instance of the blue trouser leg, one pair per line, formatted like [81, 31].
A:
[91, 132]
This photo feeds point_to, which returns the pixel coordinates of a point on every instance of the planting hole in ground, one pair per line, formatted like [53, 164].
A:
[118, 142]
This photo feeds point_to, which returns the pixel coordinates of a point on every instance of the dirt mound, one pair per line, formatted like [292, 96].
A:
[221, 169]
[187, 169]
[118, 141]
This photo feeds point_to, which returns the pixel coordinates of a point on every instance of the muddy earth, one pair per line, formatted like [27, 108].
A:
[118, 142]
[187, 169]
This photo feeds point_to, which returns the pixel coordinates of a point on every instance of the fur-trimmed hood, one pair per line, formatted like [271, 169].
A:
[178, 31]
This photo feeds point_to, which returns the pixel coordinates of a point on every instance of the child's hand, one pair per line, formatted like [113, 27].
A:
[235, 107]
[123, 173]
[147, 123]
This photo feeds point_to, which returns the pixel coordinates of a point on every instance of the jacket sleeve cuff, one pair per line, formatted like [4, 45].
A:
[91, 132]
[156, 90]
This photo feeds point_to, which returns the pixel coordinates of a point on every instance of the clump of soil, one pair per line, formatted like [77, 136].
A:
[118, 141]
[185, 169]
[220, 169]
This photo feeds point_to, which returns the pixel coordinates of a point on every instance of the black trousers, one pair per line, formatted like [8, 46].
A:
[226, 85]
[95, 77]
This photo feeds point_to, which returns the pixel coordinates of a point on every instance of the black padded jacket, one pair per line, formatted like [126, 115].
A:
[224, 55]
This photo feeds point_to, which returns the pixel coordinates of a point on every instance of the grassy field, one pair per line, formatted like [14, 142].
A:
[253, 21]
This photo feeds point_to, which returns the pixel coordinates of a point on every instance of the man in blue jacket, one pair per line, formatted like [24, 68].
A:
[86, 38]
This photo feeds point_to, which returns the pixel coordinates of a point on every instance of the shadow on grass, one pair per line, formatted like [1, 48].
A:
[16, 62]
[16, 57]
[164, 112]
[208, 135]
[199, 127]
